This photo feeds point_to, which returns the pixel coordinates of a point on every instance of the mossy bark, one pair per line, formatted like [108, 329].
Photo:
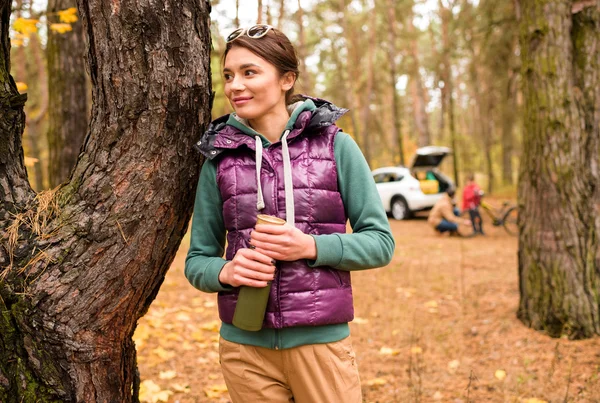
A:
[80, 264]
[559, 185]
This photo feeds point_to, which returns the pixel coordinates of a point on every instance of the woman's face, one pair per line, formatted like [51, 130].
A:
[253, 85]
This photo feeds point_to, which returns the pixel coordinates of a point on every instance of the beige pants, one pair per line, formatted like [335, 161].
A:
[307, 374]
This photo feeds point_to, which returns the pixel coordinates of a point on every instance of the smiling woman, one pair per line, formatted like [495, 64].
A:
[282, 155]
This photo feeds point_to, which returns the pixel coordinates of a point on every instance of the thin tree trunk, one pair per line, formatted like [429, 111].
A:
[34, 121]
[84, 261]
[349, 71]
[67, 84]
[259, 19]
[448, 90]
[396, 108]
[281, 14]
[559, 184]
[366, 110]
[508, 122]
[418, 92]
[237, 13]
[306, 84]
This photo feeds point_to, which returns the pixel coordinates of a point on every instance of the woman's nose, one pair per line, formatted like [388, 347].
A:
[237, 84]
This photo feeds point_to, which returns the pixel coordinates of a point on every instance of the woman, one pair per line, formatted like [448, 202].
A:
[283, 156]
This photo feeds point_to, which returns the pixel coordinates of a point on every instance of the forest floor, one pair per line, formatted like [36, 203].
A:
[436, 325]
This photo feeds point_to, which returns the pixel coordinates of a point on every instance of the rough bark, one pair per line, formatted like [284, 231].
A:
[396, 114]
[79, 265]
[67, 84]
[559, 185]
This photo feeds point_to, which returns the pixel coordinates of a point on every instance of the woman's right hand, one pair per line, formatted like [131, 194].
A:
[248, 267]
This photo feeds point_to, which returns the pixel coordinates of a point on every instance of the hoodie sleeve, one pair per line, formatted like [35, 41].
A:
[371, 243]
[203, 263]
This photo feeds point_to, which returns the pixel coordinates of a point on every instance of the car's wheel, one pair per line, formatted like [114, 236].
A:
[400, 210]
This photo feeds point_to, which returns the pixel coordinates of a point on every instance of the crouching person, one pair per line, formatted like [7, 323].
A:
[445, 217]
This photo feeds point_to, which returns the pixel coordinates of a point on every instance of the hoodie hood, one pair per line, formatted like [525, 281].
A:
[308, 115]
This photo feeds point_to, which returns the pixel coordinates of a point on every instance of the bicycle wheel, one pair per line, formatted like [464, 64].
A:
[511, 221]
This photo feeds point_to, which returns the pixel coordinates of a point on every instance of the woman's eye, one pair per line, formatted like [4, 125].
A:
[250, 72]
[227, 77]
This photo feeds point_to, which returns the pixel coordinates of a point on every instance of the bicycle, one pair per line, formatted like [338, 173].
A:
[507, 216]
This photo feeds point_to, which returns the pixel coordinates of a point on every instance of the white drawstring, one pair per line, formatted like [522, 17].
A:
[260, 202]
[287, 180]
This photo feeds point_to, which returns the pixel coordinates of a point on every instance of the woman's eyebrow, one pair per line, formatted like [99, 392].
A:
[242, 67]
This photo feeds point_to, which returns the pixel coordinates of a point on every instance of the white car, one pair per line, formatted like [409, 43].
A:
[402, 193]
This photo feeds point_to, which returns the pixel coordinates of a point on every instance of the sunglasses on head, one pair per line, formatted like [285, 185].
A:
[254, 32]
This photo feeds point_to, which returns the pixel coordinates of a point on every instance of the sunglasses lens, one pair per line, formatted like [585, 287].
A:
[258, 31]
[235, 34]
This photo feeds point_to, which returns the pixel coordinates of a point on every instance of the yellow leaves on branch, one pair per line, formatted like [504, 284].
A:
[68, 16]
[25, 26]
[61, 28]
[21, 87]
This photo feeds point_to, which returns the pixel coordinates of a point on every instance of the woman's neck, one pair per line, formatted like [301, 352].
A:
[272, 124]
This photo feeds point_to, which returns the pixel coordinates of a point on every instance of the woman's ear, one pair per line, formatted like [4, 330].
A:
[288, 80]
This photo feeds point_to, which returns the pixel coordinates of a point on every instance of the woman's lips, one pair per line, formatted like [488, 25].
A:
[241, 100]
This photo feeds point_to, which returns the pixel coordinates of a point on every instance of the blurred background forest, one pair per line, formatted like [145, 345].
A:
[412, 72]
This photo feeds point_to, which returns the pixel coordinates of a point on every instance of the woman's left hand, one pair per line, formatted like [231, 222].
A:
[283, 242]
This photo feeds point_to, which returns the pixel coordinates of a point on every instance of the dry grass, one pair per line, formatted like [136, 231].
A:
[34, 221]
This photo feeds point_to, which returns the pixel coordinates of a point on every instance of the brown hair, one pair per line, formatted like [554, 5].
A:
[275, 48]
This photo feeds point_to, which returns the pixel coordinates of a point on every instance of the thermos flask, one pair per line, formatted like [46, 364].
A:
[252, 301]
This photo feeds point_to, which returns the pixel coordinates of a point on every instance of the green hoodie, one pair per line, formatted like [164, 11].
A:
[370, 245]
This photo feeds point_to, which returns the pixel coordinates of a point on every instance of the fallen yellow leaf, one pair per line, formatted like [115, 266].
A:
[431, 304]
[211, 326]
[416, 350]
[388, 351]
[535, 400]
[179, 388]
[501, 374]
[167, 374]
[360, 321]
[376, 382]
[183, 317]
[162, 353]
[453, 366]
[215, 391]
[152, 393]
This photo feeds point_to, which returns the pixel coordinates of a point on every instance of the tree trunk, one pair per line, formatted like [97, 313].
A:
[559, 185]
[34, 121]
[418, 92]
[259, 19]
[67, 84]
[508, 122]
[396, 115]
[305, 81]
[368, 141]
[281, 14]
[81, 264]
[349, 70]
[447, 22]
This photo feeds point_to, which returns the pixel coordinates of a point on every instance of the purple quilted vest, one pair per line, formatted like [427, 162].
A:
[300, 295]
